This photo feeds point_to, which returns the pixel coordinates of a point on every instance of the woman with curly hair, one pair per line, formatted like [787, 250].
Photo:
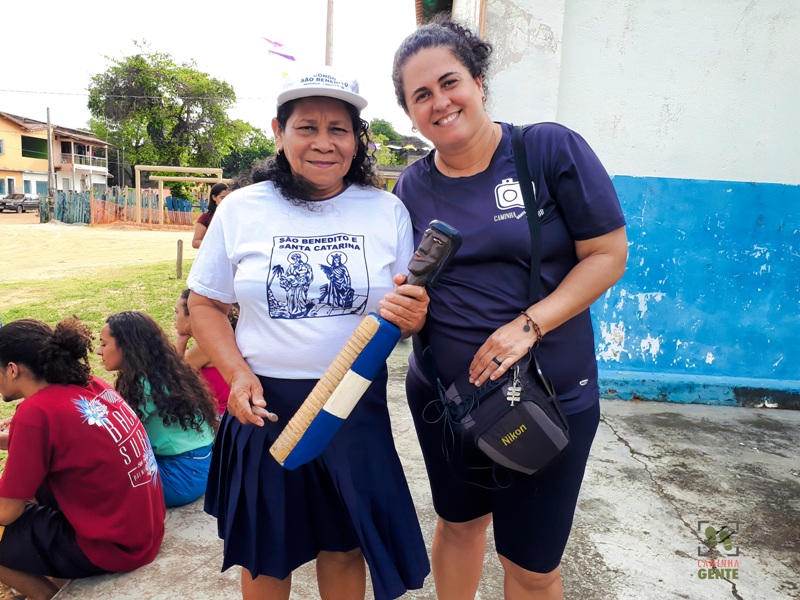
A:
[176, 407]
[77, 448]
[440, 76]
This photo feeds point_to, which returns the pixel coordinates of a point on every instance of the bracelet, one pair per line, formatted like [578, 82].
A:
[531, 323]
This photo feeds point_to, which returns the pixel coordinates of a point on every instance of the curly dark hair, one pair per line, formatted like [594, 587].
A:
[471, 51]
[178, 392]
[59, 355]
[278, 171]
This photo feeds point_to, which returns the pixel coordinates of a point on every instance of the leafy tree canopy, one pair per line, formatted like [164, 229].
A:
[160, 112]
[384, 128]
[249, 145]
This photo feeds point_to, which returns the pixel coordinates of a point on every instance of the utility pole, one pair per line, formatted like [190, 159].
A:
[329, 36]
[51, 174]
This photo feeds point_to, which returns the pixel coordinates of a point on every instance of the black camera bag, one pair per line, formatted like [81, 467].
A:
[515, 420]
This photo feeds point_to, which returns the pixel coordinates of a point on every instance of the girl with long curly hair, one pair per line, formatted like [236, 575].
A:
[176, 407]
[77, 448]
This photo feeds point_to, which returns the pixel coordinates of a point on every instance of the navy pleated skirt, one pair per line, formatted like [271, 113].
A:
[354, 495]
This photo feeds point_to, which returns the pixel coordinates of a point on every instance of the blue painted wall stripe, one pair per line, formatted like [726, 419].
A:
[711, 295]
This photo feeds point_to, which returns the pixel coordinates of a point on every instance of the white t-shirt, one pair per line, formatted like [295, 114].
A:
[304, 278]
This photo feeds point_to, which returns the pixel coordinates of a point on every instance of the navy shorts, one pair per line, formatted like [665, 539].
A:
[42, 542]
[532, 514]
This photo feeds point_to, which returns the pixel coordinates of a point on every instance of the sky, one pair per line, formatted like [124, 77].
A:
[52, 48]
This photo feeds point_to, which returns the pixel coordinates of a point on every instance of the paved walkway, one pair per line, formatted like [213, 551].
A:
[660, 474]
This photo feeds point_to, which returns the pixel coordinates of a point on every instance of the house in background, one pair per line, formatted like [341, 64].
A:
[410, 149]
[80, 161]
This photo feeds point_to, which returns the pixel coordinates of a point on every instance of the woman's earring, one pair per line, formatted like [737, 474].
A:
[414, 129]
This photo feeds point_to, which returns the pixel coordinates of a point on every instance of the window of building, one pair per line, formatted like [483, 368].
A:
[26, 186]
[2, 187]
[34, 147]
[2, 147]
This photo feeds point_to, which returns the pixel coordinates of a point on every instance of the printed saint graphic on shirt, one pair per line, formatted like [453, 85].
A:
[114, 415]
[336, 263]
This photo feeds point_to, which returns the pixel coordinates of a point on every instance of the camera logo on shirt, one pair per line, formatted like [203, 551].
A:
[508, 195]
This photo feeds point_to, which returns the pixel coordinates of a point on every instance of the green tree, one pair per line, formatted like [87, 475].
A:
[160, 112]
[383, 154]
[248, 146]
[384, 128]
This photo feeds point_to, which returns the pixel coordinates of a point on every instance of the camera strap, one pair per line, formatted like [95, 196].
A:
[526, 187]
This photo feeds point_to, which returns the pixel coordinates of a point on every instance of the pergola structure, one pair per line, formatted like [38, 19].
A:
[214, 175]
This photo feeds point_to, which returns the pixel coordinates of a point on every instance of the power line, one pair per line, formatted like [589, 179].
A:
[45, 93]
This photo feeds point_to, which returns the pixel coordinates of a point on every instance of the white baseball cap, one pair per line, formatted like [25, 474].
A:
[322, 81]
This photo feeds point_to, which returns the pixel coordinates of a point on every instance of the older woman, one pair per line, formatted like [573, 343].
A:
[285, 249]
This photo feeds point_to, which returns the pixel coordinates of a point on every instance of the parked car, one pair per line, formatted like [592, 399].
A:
[19, 203]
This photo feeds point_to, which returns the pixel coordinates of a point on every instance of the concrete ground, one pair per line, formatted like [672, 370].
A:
[660, 474]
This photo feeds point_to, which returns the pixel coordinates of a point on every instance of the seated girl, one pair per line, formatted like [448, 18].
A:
[176, 407]
[195, 355]
[77, 448]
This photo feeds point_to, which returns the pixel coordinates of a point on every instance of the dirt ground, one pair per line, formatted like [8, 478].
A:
[35, 251]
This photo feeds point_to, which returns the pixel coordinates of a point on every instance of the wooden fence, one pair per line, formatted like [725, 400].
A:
[118, 205]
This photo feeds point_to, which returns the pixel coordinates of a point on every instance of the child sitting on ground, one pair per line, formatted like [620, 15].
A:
[77, 448]
[176, 407]
[195, 355]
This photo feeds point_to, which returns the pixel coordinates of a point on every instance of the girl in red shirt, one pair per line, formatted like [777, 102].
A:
[76, 447]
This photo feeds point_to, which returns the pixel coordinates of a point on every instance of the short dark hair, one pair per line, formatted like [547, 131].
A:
[470, 50]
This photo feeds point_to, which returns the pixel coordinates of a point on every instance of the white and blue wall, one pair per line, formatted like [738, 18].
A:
[694, 109]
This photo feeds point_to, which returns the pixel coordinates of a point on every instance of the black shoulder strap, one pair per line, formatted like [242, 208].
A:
[526, 186]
